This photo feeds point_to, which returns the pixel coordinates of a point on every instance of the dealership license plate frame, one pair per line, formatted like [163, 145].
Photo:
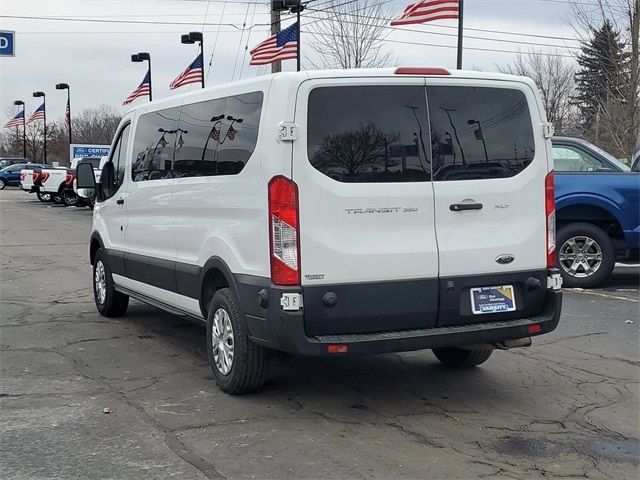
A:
[493, 299]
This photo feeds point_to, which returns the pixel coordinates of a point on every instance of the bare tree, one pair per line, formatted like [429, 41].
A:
[96, 125]
[555, 80]
[351, 34]
[624, 15]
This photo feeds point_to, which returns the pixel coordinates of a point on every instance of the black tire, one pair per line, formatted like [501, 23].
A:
[250, 362]
[44, 197]
[459, 358]
[56, 198]
[602, 242]
[69, 198]
[2, 184]
[114, 303]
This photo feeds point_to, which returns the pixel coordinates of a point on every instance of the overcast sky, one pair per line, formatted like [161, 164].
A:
[94, 58]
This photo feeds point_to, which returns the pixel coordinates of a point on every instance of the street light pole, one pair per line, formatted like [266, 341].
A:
[140, 57]
[24, 127]
[193, 37]
[65, 86]
[44, 113]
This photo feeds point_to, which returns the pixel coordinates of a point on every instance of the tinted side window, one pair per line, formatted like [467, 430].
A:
[217, 137]
[369, 134]
[154, 145]
[569, 159]
[479, 132]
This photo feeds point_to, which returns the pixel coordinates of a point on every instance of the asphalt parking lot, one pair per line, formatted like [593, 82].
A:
[566, 407]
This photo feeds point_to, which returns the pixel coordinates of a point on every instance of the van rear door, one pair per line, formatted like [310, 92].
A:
[489, 166]
[366, 205]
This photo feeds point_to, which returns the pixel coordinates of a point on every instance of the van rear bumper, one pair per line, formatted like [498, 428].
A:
[271, 326]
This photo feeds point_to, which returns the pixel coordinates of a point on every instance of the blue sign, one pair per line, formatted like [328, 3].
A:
[79, 151]
[7, 43]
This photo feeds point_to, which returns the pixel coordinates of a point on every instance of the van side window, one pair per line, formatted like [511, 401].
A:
[154, 145]
[217, 137]
[115, 170]
[369, 134]
[479, 132]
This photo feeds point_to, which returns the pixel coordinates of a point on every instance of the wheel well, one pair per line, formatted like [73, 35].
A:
[590, 214]
[95, 245]
[214, 280]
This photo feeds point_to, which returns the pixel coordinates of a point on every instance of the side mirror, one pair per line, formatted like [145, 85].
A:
[85, 176]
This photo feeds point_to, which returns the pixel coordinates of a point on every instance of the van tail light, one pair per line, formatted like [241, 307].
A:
[550, 211]
[426, 71]
[284, 231]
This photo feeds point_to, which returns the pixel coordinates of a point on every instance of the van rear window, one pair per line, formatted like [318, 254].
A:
[373, 134]
[479, 132]
[369, 134]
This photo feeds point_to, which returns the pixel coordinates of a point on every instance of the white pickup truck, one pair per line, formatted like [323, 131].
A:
[58, 182]
[31, 181]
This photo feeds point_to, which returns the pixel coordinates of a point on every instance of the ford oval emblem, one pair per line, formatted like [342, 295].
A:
[504, 259]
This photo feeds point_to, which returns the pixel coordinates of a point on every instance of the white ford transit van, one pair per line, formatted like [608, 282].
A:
[335, 213]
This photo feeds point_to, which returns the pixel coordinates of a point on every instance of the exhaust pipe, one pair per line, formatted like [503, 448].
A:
[504, 345]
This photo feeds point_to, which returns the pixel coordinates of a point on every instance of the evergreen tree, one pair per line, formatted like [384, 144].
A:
[602, 75]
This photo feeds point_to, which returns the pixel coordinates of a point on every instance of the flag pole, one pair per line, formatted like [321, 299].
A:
[460, 24]
[298, 10]
[24, 130]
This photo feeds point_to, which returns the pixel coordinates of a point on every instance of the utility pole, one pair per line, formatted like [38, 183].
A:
[275, 28]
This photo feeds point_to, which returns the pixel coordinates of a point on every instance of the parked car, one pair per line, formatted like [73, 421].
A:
[7, 161]
[598, 212]
[31, 179]
[10, 175]
[328, 235]
[59, 181]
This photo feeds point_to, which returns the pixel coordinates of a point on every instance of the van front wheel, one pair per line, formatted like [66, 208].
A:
[460, 358]
[109, 302]
[238, 365]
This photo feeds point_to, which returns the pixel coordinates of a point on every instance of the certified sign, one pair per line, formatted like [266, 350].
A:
[81, 150]
[7, 43]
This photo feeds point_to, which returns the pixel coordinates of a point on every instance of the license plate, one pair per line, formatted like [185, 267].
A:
[493, 299]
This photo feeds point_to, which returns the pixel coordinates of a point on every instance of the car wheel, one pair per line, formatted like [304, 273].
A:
[460, 358]
[44, 197]
[70, 198]
[2, 184]
[56, 198]
[109, 302]
[238, 365]
[586, 255]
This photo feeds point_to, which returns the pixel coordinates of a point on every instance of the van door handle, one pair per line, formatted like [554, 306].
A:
[120, 201]
[458, 207]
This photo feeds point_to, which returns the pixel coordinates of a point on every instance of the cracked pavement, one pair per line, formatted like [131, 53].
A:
[567, 407]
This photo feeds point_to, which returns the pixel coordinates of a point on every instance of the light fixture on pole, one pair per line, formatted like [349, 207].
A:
[141, 57]
[193, 37]
[24, 127]
[44, 103]
[65, 86]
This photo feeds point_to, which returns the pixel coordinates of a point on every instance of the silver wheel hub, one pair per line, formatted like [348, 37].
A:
[222, 341]
[580, 256]
[100, 279]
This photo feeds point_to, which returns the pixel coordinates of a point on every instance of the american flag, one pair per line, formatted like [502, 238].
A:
[191, 74]
[15, 121]
[214, 134]
[37, 115]
[428, 11]
[281, 46]
[141, 91]
[67, 115]
[163, 143]
[231, 134]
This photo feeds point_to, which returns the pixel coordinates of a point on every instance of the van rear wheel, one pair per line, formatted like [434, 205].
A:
[460, 358]
[239, 365]
[109, 302]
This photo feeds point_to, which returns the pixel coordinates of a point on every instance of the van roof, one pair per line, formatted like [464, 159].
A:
[263, 80]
